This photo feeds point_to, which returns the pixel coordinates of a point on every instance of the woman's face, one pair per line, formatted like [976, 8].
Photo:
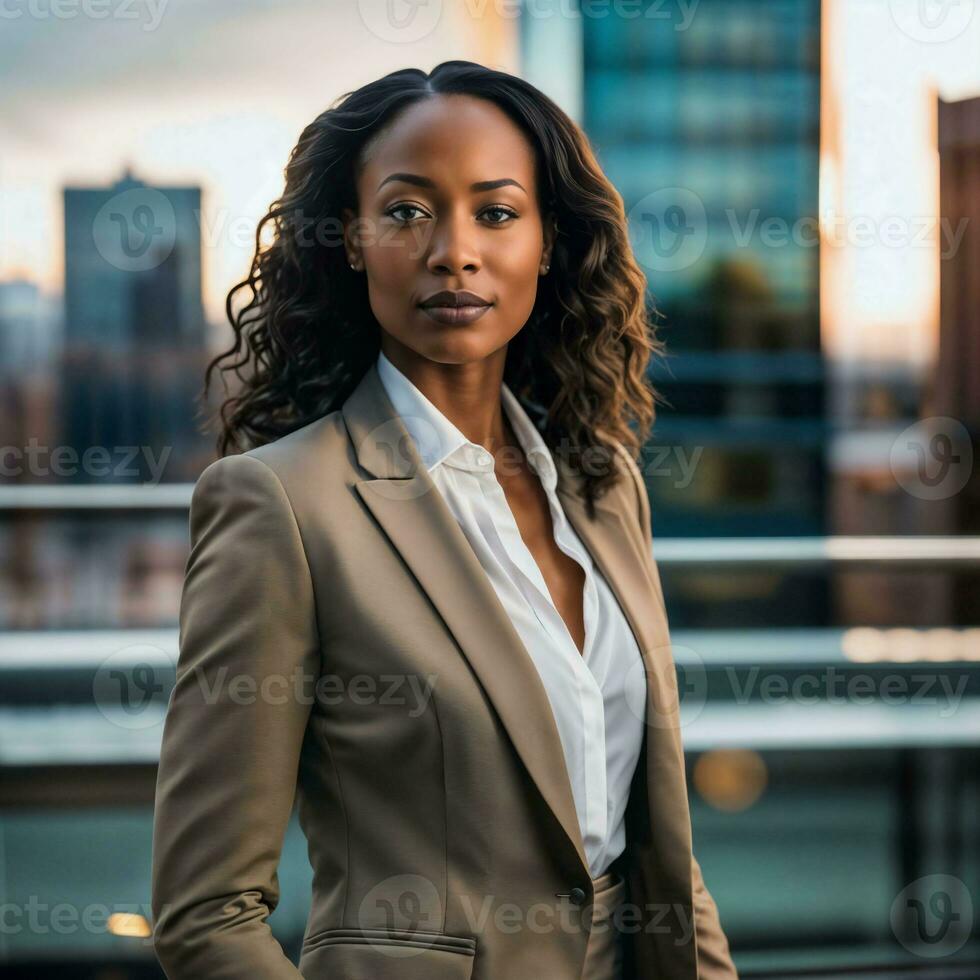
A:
[448, 201]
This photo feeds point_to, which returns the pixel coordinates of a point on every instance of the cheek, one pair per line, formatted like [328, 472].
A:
[393, 266]
[516, 271]
[392, 276]
[522, 260]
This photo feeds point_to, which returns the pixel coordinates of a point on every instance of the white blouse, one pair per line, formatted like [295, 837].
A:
[600, 735]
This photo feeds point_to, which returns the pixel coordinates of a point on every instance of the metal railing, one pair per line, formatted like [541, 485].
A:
[797, 552]
[40, 733]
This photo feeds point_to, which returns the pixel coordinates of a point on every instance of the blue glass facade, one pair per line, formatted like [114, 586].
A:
[707, 122]
[135, 349]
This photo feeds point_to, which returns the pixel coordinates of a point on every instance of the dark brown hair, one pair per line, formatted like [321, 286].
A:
[306, 334]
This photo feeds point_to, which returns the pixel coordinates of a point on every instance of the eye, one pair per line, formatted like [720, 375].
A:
[506, 212]
[391, 212]
[397, 212]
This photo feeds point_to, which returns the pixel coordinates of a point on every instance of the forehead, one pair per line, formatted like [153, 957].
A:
[454, 139]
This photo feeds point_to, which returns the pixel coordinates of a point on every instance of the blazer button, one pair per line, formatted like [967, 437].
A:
[577, 896]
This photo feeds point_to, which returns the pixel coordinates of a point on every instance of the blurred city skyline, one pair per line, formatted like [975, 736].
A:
[792, 291]
[215, 126]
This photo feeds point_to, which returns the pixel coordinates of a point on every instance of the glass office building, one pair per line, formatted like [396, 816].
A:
[706, 119]
[134, 325]
[707, 122]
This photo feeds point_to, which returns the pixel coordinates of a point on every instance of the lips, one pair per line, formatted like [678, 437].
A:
[448, 299]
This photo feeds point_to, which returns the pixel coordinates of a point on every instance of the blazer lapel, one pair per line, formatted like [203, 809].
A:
[413, 514]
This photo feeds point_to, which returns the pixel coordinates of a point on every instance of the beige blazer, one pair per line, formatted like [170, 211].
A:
[340, 642]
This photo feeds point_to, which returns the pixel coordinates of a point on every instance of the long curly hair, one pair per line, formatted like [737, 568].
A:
[306, 334]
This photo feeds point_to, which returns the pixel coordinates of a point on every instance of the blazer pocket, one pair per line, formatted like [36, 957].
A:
[383, 954]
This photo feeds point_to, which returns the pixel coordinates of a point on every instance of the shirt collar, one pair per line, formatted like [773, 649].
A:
[439, 441]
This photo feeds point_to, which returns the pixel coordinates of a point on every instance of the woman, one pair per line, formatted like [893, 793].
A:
[424, 599]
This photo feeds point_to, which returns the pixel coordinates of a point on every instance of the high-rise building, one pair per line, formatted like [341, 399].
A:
[710, 130]
[134, 323]
[706, 117]
[133, 265]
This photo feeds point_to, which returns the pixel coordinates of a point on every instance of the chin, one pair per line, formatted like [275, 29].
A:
[459, 345]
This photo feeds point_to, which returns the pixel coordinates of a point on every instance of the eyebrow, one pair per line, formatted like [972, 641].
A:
[480, 185]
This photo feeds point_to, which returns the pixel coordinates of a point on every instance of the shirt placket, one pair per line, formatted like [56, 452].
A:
[592, 778]
[594, 719]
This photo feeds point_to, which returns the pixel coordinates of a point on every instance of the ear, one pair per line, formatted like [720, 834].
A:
[353, 252]
[550, 233]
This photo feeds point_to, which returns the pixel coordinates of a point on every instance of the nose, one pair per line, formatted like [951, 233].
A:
[453, 245]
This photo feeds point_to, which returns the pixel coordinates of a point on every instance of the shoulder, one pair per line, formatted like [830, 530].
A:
[315, 455]
[326, 435]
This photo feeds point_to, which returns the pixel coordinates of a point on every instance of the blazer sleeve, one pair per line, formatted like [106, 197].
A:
[714, 957]
[233, 730]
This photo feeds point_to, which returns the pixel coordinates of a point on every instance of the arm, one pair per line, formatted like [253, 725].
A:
[230, 750]
[714, 958]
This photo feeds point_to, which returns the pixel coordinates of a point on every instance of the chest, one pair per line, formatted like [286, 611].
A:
[562, 573]
[530, 534]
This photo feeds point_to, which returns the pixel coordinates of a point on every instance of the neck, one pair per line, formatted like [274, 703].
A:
[467, 394]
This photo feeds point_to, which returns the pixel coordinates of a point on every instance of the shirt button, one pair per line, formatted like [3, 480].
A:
[577, 896]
